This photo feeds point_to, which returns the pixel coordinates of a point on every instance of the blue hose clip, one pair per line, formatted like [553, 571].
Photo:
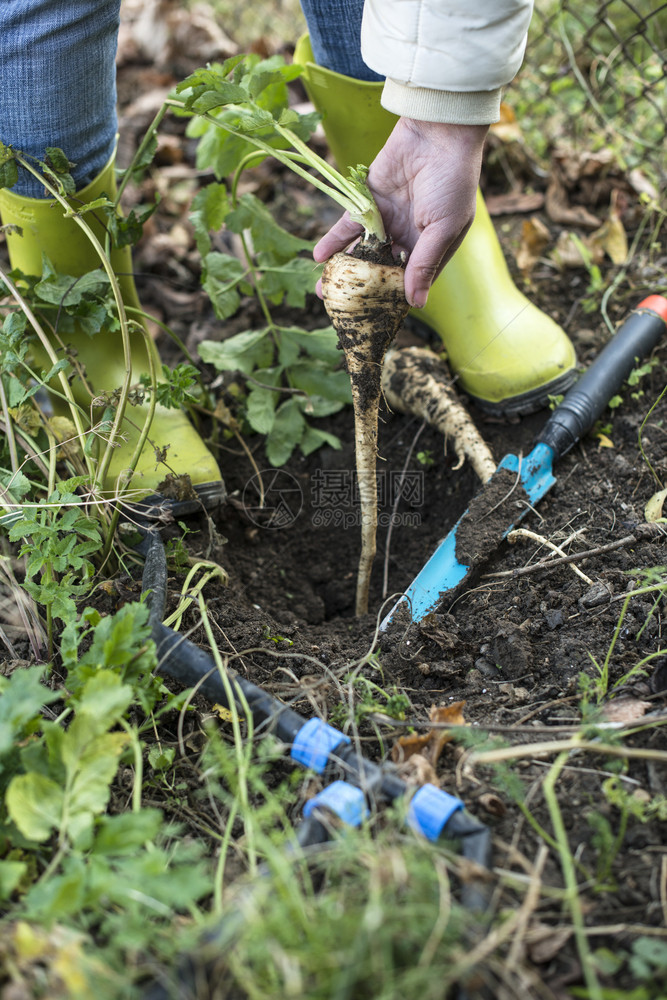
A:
[345, 800]
[430, 809]
[314, 742]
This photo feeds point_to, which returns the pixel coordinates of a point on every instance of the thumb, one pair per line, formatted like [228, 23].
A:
[338, 238]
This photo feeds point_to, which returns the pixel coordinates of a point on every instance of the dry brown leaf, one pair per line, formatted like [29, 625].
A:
[534, 239]
[610, 237]
[655, 506]
[567, 252]
[406, 746]
[492, 803]
[443, 714]
[604, 441]
[640, 183]
[575, 164]
[625, 710]
[544, 942]
[507, 128]
[514, 201]
[559, 209]
[418, 771]
[429, 745]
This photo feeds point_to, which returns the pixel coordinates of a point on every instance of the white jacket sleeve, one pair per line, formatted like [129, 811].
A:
[445, 60]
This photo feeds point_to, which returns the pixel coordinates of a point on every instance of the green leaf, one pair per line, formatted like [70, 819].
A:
[104, 698]
[91, 762]
[35, 804]
[221, 276]
[146, 158]
[292, 280]
[11, 873]
[209, 211]
[286, 433]
[328, 391]
[315, 438]
[217, 149]
[126, 832]
[224, 93]
[9, 174]
[267, 236]
[18, 485]
[60, 896]
[57, 160]
[23, 695]
[261, 403]
[65, 289]
[127, 230]
[244, 352]
[161, 758]
[648, 956]
[321, 344]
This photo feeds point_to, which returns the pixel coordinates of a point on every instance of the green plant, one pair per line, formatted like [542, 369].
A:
[63, 858]
[651, 581]
[646, 962]
[292, 375]
[59, 538]
[366, 698]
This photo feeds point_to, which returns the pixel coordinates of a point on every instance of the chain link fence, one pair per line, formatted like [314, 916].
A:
[596, 72]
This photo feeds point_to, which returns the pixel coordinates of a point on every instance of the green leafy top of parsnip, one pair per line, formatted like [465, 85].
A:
[247, 98]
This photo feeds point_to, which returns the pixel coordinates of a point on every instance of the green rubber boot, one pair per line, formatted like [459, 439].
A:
[46, 230]
[507, 354]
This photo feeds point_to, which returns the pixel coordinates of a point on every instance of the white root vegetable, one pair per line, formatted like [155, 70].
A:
[366, 304]
[415, 381]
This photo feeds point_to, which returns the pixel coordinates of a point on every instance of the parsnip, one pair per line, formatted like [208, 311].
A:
[415, 381]
[366, 304]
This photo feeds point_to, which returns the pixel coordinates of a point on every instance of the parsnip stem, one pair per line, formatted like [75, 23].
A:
[366, 304]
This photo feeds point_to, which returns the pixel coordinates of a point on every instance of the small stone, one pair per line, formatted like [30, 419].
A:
[596, 595]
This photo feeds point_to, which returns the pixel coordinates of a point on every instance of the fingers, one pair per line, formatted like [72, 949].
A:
[339, 236]
[431, 252]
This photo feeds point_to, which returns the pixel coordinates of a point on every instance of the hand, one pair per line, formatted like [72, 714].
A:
[424, 180]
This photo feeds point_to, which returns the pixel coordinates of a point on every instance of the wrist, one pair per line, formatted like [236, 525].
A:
[469, 138]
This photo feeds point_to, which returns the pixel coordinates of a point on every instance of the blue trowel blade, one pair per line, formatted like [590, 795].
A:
[443, 572]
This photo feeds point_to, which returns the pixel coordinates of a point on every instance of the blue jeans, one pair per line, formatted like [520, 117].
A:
[334, 27]
[58, 82]
[58, 75]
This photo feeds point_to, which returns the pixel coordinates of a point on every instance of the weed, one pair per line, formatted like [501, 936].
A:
[292, 375]
[58, 539]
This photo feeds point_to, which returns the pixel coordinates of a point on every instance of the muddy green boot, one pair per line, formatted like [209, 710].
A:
[507, 354]
[46, 230]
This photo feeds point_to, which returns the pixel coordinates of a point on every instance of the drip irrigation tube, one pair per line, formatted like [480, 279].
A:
[313, 743]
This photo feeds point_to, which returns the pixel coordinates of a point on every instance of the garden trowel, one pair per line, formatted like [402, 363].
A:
[519, 482]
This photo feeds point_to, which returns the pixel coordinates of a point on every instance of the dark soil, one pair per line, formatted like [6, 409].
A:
[492, 512]
[512, 645]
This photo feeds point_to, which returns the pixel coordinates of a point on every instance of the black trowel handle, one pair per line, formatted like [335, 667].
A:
[585, 402]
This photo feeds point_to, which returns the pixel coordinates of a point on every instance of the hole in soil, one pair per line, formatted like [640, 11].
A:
[297, 556]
